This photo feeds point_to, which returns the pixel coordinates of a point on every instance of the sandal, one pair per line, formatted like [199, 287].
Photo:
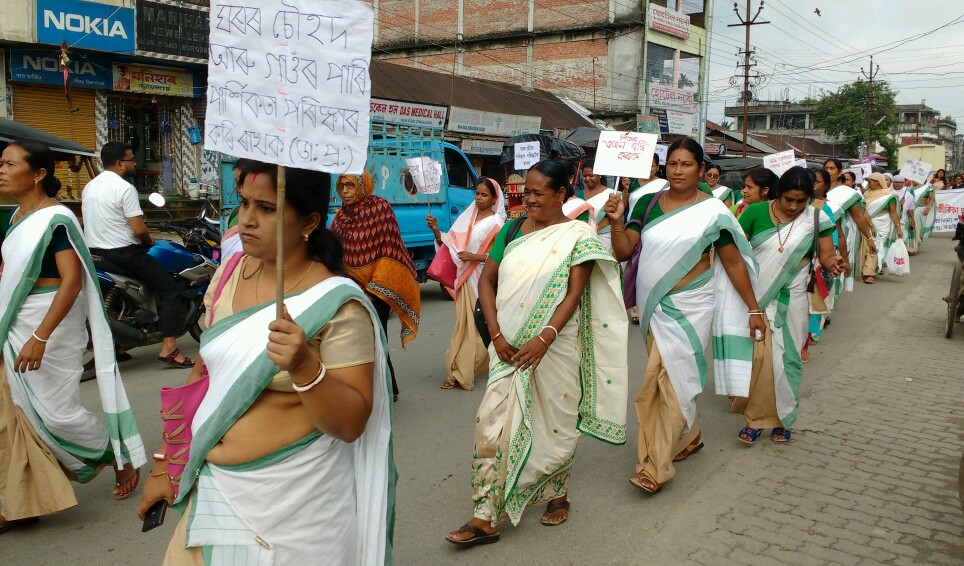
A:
[693, 447]
[805, 355]
[748, 435]
[10, 525]
[780, 435]
[554, 506]
[123, 357]
[171, 360]
[870, 280]
[136, 476]
[448, 385]
[481, 537]
[644, 481]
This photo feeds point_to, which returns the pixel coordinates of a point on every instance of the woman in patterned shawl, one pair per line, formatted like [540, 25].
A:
[375, 255]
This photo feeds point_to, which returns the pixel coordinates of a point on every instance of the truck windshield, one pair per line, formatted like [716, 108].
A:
[459, 175]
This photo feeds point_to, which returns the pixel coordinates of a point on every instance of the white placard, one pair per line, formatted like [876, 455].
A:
[426, 174]
[526, 155]
[780, 162]
[858, 173]
[866, 169]
[288, 83]
[625, 154]
[800, 163]
[661, 151]
[679, 122]
[915, 170]
[950, 205]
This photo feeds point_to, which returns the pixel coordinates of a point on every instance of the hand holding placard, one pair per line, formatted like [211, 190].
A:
[915, 170]
[780, 162]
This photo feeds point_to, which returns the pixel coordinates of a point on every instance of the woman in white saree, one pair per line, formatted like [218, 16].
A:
[686, 304]
[469, 241]
[551, 297]
[48, 293]
[924, 213]
[722, 192]
[852, 223]
[290, 449]
[782, 234]
[882, 206]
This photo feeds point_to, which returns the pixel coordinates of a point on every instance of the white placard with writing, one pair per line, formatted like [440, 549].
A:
[625, 154]
[289, 83]
[950, 205]
[426, 173]
[526, 155]
[661, 151]
[858, 173]
[780, 162]
[915, 170]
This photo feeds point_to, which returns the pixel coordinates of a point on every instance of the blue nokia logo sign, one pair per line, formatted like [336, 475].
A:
[87, 25]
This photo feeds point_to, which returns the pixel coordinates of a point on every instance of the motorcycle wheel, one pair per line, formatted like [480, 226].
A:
[953, 300]
[195, 331]
[90, 372]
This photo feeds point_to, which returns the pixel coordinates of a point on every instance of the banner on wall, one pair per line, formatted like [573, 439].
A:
[950, 206]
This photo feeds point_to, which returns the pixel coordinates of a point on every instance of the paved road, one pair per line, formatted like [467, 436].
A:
[870, 477]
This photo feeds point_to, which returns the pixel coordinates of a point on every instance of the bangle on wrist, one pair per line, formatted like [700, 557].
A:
[158, 457]
[301, 388]
[496, 336]
[158, 474]
[543, 340]
[38, 338]
[553, 329]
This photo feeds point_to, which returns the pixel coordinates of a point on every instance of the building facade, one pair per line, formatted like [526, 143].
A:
[101, 70]
[619, 59]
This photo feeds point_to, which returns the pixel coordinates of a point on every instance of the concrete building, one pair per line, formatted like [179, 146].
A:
[617, 59]
[779, 118]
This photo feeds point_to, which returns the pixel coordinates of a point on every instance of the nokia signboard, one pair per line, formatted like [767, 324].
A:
[86, 25]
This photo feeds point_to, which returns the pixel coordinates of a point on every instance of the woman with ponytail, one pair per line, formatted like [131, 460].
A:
[295, 410]
[468, 242]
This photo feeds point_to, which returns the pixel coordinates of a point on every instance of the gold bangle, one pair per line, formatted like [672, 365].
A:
[496, 336]
[158, 474]
[623, 229]
[539, 336]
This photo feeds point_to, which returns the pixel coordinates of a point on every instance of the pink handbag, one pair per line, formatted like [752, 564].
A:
[443, 268]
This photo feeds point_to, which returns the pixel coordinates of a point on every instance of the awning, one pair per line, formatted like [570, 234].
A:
[584, 137]
[11, 130]
[549, 147]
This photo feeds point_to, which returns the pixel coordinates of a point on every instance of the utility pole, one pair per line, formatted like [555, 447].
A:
[870, 105]
[747, 22]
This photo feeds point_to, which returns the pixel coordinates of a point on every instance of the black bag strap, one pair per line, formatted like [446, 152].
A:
[514, 229]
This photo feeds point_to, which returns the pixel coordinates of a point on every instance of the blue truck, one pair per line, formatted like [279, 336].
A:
[389, 146]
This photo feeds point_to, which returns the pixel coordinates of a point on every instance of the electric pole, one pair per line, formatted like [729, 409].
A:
[747, 22]
[871, 148]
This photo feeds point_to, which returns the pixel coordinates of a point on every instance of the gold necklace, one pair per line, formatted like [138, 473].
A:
[257, 281]
[776, 220]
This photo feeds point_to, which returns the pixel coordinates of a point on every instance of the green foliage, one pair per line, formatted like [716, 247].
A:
[726, 125]
[950, 120]
[844, 114]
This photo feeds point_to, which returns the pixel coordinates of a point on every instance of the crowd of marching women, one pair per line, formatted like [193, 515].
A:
[284, 426]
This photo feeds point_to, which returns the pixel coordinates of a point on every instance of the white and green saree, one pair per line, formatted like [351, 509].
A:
[878, 207]
[651, 187]
[529, 421]
[782, 293]
[708, 310]
[925, 223]
[723, 193]
[49, 397]
[318, 499]
[841, 199]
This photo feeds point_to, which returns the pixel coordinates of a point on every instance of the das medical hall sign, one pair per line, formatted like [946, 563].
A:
[100, 27]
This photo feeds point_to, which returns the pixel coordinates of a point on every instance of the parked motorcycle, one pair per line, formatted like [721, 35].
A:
[131, 309]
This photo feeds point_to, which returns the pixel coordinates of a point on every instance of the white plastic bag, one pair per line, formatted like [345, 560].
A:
[898, 260]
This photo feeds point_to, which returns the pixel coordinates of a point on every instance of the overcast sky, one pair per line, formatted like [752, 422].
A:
[802, 52]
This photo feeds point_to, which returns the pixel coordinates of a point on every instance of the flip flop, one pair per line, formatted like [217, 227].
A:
[171, 360]
[693, 448]
[11, 525]
[552, 508]
[481, 537]
[136, 476]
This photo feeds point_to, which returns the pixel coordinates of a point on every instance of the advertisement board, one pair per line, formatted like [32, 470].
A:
[86, 25]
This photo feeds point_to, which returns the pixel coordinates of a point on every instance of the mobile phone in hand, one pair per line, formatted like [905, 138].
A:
[155, 516]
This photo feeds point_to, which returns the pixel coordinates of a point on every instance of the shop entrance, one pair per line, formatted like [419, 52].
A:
[146, 122]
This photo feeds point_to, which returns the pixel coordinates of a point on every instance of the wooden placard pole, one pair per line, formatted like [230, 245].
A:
[280, 234]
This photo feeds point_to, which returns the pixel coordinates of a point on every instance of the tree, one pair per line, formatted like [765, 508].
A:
[726, 125]
[844, 114]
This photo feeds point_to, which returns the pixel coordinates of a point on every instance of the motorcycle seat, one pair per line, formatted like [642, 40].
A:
[105, 264]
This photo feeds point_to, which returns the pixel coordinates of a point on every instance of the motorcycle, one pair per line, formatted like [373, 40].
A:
[131, 309]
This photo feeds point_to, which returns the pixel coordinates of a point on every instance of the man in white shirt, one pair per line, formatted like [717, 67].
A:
[114, 229]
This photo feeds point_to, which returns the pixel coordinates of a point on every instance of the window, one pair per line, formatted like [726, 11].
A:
[689, 72]
[660, 63]
[695, 10]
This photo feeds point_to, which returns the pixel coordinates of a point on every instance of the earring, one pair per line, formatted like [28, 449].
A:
[306, 236]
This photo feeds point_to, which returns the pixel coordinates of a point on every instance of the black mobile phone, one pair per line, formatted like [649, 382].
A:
[155, 516]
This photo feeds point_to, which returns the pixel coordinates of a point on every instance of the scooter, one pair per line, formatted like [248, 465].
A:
[131, 309]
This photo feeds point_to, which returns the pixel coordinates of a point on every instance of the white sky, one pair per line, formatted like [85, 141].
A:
[803, 52]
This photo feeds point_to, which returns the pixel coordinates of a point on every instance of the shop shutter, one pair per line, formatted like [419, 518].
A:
[44, 107]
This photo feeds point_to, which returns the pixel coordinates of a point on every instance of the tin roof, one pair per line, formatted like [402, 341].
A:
[398, 82]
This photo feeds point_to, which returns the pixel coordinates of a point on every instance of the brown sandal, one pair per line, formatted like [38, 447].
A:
[693, 448]
[448, 385]
[646, 482]
[551, 508]
[480, 536]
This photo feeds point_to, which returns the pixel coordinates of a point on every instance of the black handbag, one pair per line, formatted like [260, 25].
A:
[480, 325]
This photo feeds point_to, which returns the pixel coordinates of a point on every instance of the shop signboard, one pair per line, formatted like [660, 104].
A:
[482, 147]
[647, 124]
[180, 31]
[42, 66]
[672, 98]
[669, 21]
[86, 25]
[492, 123]
[153, 80]
[408, 113]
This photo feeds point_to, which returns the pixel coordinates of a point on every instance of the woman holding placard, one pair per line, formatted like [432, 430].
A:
[278, 448]
[376, 256]
[881, 204]
[686, 303]
[553, 306]
[468, 242]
